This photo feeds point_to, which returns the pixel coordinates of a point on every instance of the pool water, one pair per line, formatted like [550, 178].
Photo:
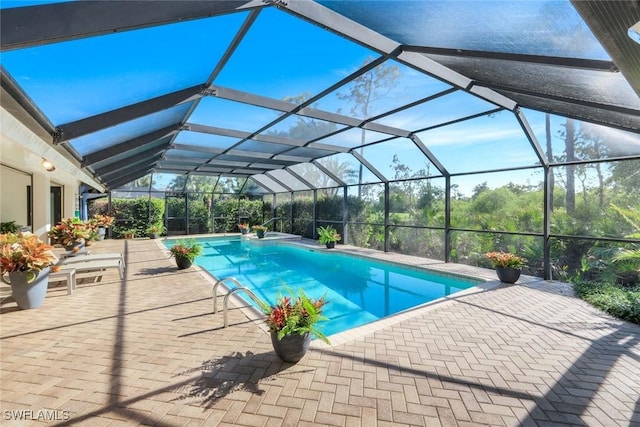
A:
[359, 290]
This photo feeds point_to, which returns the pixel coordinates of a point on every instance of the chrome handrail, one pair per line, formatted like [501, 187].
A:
[215, 291]
[233, 291]
[270, 221]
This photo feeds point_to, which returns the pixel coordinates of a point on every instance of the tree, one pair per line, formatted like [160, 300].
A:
[570, 152]
[552, 183]
[366, 90]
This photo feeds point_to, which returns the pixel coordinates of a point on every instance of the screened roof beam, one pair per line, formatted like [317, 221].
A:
[114, 117]
[301, 178]
[131, 144]
[131, 167]
[52, 23]
[279, 182]
[261, 185]
[310, 101]
[609, 22]
[349, 29]
[258, 160]
[583, 102]
[242, 135]
[152, 152]
[587, 64]
[368, 165]
[197, 149]
[531, 136]
[429, 155]
[330, 174]
[185, 161]
[223, 61]
[438, 70]
[461, 119]
[125, 179]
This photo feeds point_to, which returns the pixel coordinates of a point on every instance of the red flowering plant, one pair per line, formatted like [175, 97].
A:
[186, 249]
[295, 315]
[505, 259]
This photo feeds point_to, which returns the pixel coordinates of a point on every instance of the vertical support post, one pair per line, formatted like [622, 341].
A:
[447, 219]
[548, 274]
[387, 208]
[345, 212]
[315, 213]
[186, 212]
[291, 214]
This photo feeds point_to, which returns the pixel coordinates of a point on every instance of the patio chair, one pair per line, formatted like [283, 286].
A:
[68, 260]
[93, 265]
[68, 275]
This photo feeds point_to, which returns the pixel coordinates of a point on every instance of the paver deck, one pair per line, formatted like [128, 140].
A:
[147, 350]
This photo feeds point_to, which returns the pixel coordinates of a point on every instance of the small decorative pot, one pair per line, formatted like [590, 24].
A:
[291, 348]
[244, 230]
[101, 233]
[154, 235]
[183, 263]
[29, 288]
[260, 234]
[508, 274]
[330, 245]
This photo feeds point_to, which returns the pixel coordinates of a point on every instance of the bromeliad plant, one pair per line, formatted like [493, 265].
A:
[295, 315]
[25, 252]
[186, 250]
[505, 260]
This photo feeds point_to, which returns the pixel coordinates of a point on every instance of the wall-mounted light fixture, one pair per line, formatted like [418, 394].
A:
[634, 32]
[48, 165]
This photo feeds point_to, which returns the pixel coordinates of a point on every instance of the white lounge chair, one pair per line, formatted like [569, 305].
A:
[93, 265]
[92, 257]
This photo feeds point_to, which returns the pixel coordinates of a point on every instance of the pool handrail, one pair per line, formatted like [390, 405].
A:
[233, 291]
[215, 291]
[270, 221]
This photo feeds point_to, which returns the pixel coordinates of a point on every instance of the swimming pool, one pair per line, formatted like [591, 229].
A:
[359, 290]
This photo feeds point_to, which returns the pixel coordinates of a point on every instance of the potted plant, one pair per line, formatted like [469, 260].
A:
[185, 252]
[70, 233]
[244, 228]
[102, 222]
[129, 233]
[155, 230]
[259, 230]
[292, 323]
[508, 266]
[8, 227]
[329, 236]
[27, 261]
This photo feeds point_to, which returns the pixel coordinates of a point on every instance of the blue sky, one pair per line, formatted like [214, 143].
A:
[281, 56]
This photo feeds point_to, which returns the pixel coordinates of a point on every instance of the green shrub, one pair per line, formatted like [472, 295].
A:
[617, 300]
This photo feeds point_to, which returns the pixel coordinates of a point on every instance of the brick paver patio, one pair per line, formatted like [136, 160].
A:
[149, 351]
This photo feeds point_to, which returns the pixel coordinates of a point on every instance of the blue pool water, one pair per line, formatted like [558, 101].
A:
[359, 290]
